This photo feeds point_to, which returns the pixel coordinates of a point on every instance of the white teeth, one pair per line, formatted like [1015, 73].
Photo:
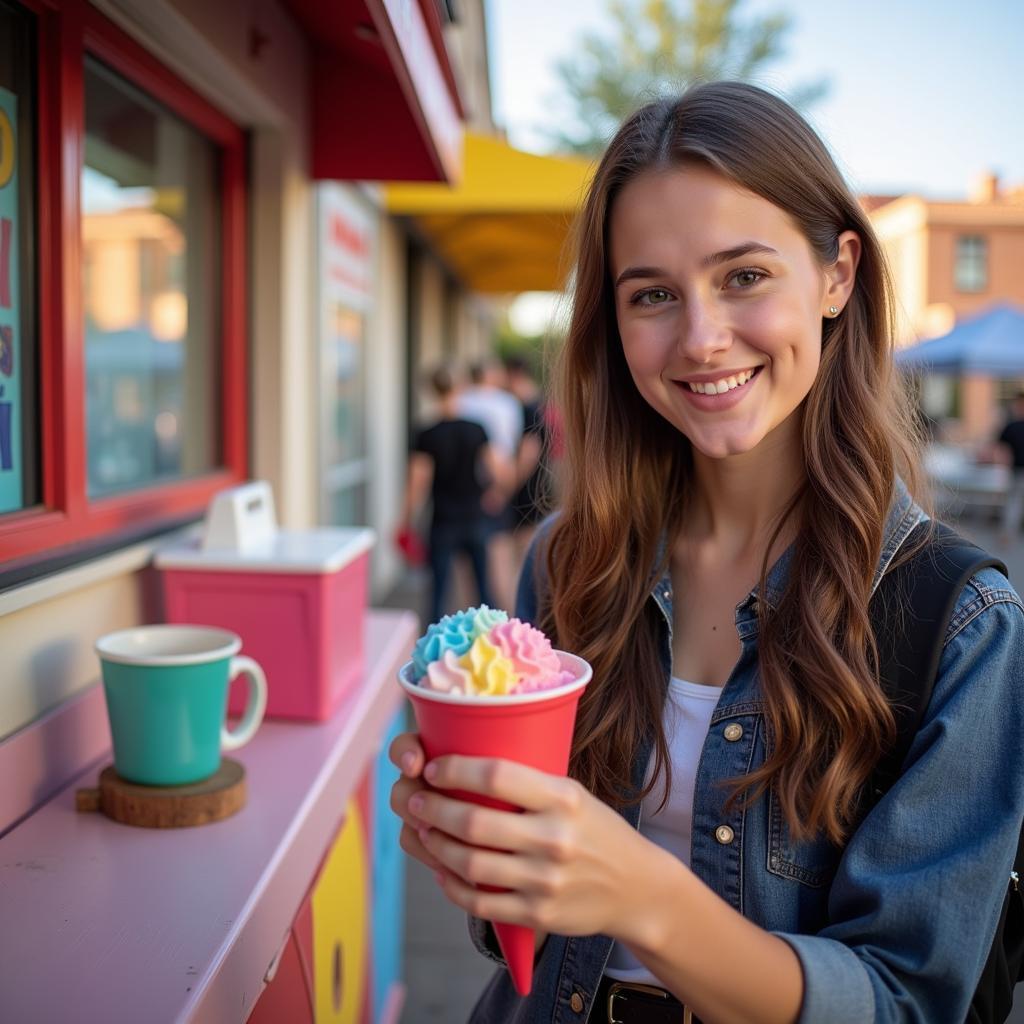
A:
[719, 387]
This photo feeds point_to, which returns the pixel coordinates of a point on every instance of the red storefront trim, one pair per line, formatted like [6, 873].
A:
[67, 31]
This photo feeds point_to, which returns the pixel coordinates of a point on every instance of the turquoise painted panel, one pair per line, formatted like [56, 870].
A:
[388, 876]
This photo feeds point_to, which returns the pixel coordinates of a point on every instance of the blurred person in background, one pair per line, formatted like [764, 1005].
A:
[453, 462]
[487, 402]
[532, 498]
[1011, 443]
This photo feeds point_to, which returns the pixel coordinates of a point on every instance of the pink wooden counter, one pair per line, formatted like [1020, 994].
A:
[104, 922]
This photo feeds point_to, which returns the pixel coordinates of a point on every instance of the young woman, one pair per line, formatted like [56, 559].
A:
[743, 472]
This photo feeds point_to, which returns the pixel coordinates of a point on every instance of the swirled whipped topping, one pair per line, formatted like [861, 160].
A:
[448, 675]
[481, 652]
[456, 633]
[530, 653]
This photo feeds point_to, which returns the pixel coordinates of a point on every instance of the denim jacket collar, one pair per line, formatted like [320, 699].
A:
[904, 515]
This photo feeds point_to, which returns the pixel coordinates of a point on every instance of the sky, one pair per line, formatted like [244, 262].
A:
[925, 95]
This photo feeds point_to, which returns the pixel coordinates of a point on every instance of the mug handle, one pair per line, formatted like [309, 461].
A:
[255, 705]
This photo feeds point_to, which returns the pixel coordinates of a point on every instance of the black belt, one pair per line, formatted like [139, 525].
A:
[622, 1002]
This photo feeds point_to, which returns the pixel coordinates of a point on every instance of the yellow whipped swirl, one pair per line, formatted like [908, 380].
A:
[490, 672]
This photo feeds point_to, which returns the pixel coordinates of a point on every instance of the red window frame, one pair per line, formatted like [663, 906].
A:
[68, 31]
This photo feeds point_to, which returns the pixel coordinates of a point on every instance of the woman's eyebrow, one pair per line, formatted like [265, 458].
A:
[630, 273]
[743, 249]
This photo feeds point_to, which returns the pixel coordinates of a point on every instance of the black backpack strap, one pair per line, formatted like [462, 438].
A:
[910, 612]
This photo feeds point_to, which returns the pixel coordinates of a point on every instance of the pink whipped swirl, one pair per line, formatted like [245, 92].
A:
[531, 655]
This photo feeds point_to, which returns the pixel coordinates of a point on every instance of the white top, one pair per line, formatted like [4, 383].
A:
[498, 412]
[687, 717]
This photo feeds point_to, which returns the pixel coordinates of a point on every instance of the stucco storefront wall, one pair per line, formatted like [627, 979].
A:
[48, 644]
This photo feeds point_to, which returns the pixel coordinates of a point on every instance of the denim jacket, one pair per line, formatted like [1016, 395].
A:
[893, 927]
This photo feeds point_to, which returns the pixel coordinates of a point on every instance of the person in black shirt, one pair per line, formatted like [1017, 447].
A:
[1012, 439]
[454, 462]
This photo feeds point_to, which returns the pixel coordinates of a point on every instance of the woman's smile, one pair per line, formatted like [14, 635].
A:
[719, 392]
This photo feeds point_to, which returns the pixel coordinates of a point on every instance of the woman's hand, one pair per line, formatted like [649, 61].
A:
[569, 863]
[407, 755]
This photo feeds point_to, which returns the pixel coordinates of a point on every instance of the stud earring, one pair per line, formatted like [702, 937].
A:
[833, 310]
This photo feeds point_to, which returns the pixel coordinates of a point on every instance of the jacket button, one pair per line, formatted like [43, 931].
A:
[576, 1002]
[733, 731]
[724, 834]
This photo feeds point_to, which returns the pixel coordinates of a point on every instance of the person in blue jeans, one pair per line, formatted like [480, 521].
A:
[743, 471]
[454, 463]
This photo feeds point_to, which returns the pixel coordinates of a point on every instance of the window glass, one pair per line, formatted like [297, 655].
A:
[971, 268]
[151, 276]
[348, 506]
[19, 423]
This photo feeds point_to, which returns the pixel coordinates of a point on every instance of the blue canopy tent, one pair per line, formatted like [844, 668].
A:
[990, 343]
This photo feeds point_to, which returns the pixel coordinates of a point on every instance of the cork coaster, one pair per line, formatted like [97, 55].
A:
[214, 798]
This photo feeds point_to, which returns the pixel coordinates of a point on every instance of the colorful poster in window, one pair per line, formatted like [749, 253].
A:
[10, 325]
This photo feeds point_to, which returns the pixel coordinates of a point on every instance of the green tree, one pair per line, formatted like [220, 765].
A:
[660, 47]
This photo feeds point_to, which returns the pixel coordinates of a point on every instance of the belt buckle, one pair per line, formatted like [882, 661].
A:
[618, 988]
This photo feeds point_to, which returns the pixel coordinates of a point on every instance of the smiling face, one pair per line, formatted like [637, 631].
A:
[719, 301]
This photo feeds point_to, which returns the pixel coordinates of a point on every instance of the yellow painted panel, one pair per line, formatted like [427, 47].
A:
[340, 907]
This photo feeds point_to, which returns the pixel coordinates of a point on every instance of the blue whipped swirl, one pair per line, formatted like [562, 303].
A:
[455, 633]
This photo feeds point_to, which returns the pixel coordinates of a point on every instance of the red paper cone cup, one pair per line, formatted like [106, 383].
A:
[532, 728]
[517, 945]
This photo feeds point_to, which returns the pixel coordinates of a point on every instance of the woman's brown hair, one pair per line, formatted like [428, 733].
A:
[628, 473]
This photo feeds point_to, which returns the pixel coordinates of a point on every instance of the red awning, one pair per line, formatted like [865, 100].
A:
[384, 102]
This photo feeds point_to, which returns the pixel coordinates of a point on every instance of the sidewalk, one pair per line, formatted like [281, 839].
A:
[443, 972]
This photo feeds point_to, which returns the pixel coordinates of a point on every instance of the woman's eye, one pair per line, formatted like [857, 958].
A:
[746, 278]
[651, 297]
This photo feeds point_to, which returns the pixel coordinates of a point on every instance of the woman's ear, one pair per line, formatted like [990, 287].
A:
[842, 274]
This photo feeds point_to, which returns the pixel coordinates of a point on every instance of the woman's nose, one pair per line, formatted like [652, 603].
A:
[702, 332]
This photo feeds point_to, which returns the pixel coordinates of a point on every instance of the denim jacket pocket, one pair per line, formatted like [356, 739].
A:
[811, 862]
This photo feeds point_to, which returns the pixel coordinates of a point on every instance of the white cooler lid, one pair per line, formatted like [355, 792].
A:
[321, 550]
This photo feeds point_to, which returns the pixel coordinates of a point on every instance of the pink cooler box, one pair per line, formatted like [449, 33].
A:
[297, 601]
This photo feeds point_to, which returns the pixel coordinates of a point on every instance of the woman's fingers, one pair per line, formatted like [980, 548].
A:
[510, 907]
[406, 754]
[409, 839]
[411, 843]
[401, 793]
[475, 865]
[517, 784]
[473, 824]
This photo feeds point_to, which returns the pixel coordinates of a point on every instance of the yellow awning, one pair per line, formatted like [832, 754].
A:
[503, 227]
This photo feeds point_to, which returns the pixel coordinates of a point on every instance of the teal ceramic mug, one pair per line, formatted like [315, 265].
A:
[167, 699]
